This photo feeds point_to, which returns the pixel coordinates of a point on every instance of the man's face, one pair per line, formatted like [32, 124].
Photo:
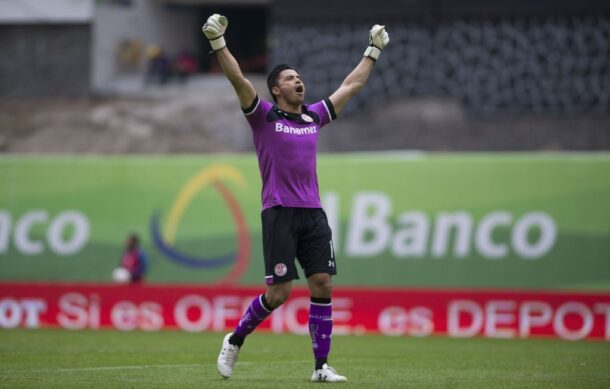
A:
[291, 87]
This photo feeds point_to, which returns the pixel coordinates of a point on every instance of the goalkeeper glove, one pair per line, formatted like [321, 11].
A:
[214, 29]
[378, 39]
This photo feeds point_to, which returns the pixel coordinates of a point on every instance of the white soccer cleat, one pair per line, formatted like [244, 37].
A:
[227, 357]
[327, 374]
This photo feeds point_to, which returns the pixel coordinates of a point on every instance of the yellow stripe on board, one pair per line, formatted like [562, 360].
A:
[194, 186]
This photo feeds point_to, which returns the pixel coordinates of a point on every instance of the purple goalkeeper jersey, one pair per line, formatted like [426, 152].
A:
[286, 145]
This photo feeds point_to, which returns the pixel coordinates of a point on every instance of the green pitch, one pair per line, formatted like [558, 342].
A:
[92, 359]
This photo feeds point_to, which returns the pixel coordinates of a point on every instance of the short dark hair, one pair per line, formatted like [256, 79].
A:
[133, 240]
[274, 75]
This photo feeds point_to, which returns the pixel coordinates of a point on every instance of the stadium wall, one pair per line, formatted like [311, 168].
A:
[398, 219]
[492, 57]
[507, 246]
[36, 59]
[393, 312]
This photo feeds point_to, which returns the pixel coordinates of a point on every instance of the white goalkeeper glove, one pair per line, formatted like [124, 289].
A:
[378, 39]
[214, 29]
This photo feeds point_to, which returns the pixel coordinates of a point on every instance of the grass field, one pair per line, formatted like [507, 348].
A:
[63, 359]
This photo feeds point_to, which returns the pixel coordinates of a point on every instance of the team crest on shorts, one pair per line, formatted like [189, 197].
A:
[306, 118]
[281, 269]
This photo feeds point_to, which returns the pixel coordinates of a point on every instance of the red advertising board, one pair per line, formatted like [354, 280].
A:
[394, 312]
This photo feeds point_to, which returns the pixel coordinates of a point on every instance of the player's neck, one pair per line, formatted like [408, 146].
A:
[284, 106]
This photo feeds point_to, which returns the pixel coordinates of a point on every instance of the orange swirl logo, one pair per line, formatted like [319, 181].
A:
[165, 242]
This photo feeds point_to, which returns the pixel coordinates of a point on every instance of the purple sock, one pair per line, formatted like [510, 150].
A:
[320, 328]
[254, 315]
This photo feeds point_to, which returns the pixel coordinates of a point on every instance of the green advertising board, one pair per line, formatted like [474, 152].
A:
[398, 219]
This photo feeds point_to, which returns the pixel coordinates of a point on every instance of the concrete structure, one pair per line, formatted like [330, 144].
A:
[42, 43]
[79, 47]
[47, 11]
[123, 30]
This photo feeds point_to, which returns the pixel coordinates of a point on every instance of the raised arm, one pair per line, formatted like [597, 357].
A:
[214, 29]
[355, 81]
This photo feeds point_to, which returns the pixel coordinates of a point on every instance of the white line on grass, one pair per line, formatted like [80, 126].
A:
[102, 368]
[135, 367]
[128, 367]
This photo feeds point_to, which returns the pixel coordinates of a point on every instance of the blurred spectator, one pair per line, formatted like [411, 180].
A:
[133, 265]
[185, 65]
[159, 66]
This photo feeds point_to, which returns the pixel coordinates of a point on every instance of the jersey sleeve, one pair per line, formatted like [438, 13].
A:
[325, 111]
[257, 112]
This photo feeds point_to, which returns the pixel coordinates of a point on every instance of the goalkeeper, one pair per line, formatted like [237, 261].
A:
[294, 225]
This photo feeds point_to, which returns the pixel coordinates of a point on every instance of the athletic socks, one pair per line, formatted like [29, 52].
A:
[258, 311]
[320, 328]
[320, 325]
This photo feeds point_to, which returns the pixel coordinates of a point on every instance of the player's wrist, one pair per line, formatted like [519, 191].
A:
[218, 43]
[373, 52]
